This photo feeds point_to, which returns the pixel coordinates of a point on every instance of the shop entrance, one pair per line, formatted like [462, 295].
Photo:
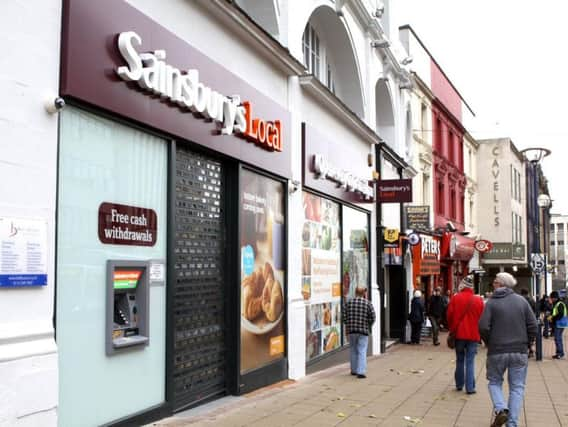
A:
[397, 301]
[199, 352]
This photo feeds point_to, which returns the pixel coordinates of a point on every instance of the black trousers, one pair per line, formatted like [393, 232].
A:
[416, 328]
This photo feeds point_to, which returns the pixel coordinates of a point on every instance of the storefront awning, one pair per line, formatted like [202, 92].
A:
[457, 247]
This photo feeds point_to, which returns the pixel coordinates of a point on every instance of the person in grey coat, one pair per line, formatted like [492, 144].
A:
[507, 325]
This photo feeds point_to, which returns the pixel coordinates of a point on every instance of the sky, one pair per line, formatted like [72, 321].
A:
[508, 59]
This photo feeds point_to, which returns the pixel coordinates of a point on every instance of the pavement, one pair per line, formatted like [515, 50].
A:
[409, 385]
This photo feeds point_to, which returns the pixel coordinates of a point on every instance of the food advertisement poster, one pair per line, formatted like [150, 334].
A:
[262, 234]
[321, 275]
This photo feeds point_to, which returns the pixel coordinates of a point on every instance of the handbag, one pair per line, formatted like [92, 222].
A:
[451, 339]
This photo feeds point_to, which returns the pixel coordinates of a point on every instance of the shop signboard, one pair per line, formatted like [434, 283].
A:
[394, 190]
[23, 252]
[263, 301]
[426, 256]
[417, 217]
[129, 65]
[500, 250]
[127, 225]
[321, 275]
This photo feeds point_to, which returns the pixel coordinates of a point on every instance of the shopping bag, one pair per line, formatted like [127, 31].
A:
[451, 340]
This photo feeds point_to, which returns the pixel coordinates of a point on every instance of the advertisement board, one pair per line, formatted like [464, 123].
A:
[321, 279]
[262, 238]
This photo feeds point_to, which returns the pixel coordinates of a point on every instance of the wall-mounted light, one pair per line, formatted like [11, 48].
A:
[380, 44]
[293, 186]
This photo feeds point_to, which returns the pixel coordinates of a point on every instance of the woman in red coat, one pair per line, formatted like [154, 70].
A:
[463, 315]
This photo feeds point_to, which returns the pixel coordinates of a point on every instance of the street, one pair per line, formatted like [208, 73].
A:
[409, 385]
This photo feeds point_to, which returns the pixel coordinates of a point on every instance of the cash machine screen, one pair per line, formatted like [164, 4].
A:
[128, 313]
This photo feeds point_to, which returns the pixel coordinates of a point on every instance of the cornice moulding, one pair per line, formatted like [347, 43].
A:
[277, 54]
[334, 105]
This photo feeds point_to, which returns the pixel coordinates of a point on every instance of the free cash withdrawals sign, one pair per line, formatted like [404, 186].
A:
[394, 190]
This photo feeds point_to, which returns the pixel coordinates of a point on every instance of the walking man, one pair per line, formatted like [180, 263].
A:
[558, 319]
[463, 314]
[359, 316]
[507, 326]
[435, 312]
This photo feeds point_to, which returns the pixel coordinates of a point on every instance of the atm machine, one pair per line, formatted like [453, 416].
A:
[127, 314]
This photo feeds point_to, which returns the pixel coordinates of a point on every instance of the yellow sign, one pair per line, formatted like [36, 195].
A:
[391, 235]
[277, 345]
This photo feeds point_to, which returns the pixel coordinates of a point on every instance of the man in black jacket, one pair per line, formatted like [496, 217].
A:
[436, 309]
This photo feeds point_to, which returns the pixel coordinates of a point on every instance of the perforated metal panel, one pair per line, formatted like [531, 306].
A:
[199, 311]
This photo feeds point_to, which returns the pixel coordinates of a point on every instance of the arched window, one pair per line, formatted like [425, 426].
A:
[316, 59]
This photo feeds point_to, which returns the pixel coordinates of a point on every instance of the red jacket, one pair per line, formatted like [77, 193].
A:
[467, 328]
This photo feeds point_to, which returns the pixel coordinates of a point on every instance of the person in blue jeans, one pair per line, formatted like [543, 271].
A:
[359, 316]
[507, 325]
[558, 319]
[464, 311]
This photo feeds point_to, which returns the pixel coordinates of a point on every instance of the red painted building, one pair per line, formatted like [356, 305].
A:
[449, 179]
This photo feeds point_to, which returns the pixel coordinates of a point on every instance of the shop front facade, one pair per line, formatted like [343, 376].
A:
[190, 245]
[336, 242]
[172, 223]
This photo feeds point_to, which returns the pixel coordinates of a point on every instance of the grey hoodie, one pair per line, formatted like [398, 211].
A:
[508, 323]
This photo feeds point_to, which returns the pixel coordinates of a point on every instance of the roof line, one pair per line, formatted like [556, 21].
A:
[408, 27]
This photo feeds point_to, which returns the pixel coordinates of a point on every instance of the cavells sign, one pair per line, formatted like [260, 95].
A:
[184, 89]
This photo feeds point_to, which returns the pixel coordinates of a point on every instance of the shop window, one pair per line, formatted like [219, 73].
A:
[440, 208]
[104, 161]
[321, 275]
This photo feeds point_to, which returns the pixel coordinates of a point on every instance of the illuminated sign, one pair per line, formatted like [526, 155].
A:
[184, 89]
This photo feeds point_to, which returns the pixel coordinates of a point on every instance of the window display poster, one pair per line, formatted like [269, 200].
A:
[355, 251]
[321, 275]
[23, 252]
[262, 234]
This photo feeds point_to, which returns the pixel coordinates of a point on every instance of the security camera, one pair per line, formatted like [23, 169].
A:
[54, 105]
[407, 60]
[450, 226]
[379, 11]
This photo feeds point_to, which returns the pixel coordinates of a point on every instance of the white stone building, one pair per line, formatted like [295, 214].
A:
[148, 172]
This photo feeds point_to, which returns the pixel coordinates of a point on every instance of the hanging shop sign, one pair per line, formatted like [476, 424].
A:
[131, 66]
[483, 246]
[184, 88]
[417, 217]
[23, 252]
[127, 225]
[394, 190]
[390, 236]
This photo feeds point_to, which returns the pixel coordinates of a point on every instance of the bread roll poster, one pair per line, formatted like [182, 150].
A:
[263, 300]
[321, 275]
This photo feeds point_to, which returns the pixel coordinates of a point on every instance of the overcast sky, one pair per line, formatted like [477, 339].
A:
[508, 59]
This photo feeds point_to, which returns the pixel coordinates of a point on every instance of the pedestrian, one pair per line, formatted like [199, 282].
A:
[532, 304]
[545, 311]
[559, 321]
[416, 317]
[435, 313]
[464, 311]
[507, 325]
[359, 316]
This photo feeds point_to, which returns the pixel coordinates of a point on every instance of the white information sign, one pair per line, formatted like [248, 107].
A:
[23, 252]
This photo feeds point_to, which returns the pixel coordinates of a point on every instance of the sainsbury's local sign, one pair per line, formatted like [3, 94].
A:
[183, 88]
